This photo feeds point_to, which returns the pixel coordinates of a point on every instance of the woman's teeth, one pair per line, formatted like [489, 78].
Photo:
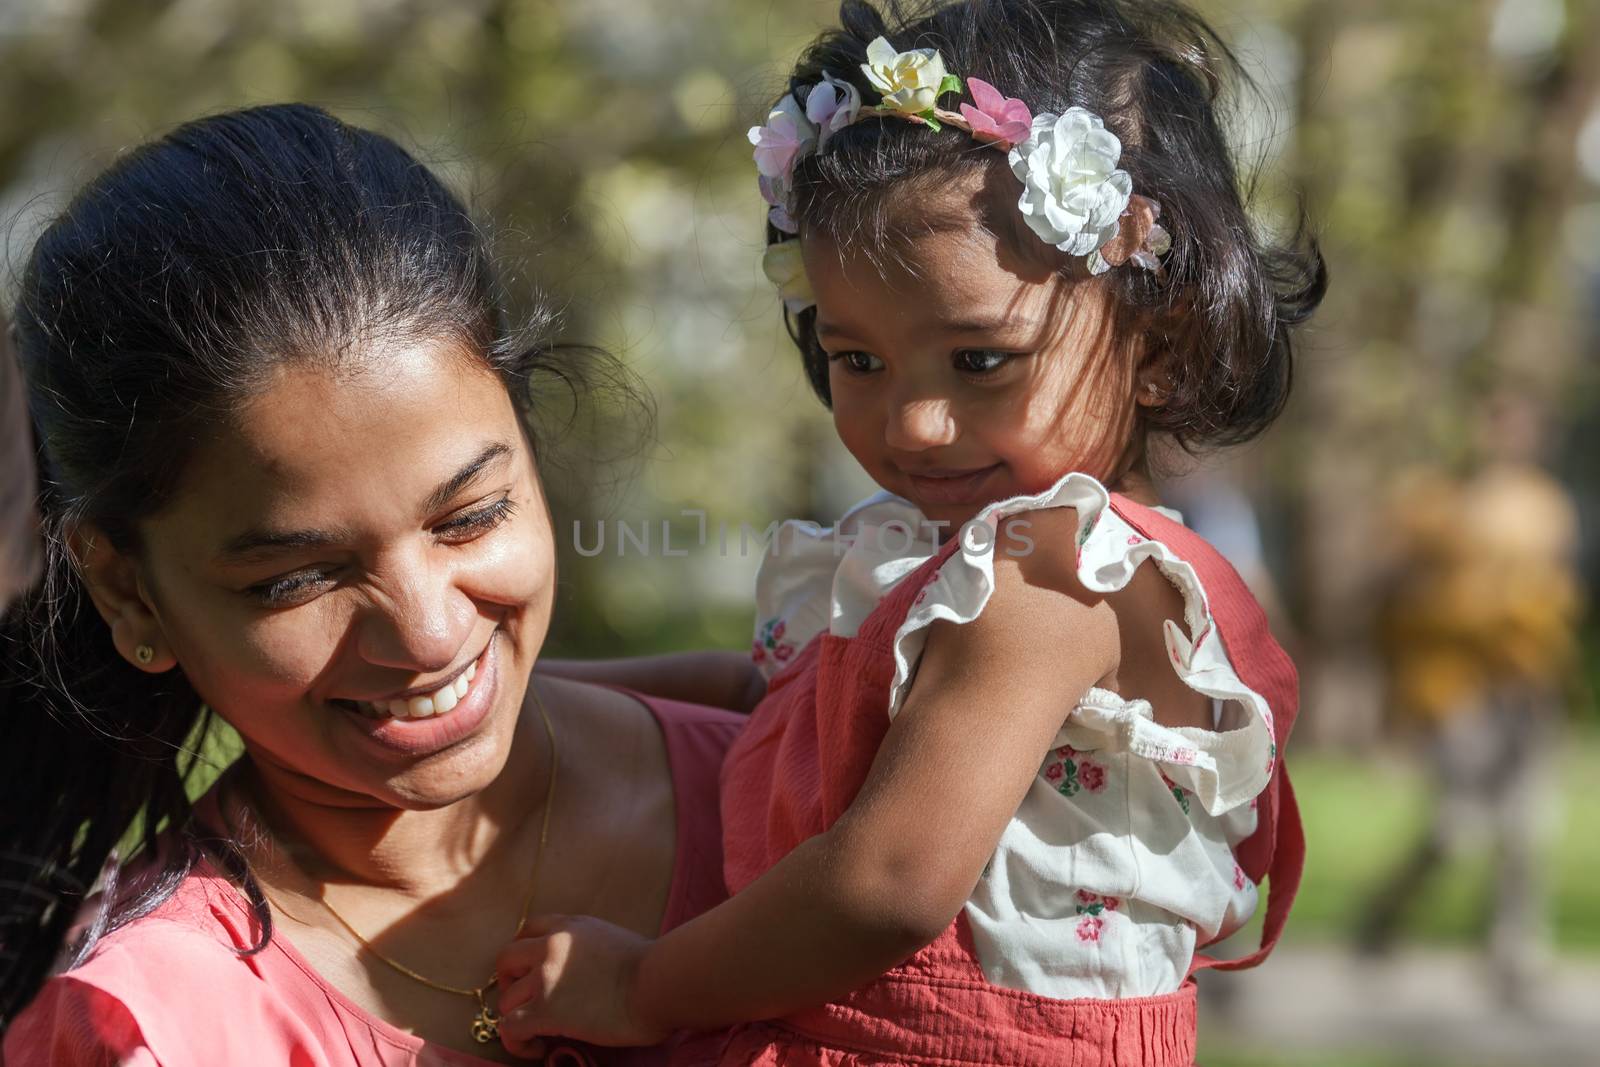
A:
[436, 703]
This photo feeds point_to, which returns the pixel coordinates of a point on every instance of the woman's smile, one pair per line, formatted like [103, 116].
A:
[424, 724]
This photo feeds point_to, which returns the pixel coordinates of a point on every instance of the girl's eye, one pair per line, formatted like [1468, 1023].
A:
[857, 362]
[473, 524]
[291, 589]
[981, 360]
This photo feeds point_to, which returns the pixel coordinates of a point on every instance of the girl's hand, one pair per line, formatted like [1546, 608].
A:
[571, 976]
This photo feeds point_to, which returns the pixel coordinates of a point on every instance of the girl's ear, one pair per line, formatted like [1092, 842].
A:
[116, 587]
[1153, 380]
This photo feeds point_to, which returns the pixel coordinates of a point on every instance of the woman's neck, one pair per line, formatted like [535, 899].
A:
[325, 835]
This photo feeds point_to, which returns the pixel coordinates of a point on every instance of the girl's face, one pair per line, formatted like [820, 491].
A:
[961, 374]
[352, 543]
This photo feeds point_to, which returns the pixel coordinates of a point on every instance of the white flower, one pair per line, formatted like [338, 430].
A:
[784, 268]
[909, 81]
[787, 135]
[1073, 195]
[831, 105]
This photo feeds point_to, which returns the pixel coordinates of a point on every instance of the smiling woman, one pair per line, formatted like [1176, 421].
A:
[291, 481]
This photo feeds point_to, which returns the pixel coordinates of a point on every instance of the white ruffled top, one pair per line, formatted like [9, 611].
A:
[1119, 863]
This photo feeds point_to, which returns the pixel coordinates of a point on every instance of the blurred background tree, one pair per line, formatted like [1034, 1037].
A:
[1449, 152]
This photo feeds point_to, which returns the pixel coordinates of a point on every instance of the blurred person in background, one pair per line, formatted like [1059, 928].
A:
[1480, 638]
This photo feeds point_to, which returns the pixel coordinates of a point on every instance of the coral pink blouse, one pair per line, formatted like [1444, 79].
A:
[171, 989]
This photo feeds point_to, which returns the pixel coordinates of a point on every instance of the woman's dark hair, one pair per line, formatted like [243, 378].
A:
[170, 288]
[1220, 313]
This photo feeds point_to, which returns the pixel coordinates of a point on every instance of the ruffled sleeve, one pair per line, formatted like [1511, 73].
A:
[1223, 768]
[809, 580]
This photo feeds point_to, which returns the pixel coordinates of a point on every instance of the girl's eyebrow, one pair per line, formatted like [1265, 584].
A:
[980, 324]
[259, 543]
[830, 329]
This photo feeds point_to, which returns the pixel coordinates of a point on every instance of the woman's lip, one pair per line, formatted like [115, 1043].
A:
[951, 486]
[422, 690]
[422, 737]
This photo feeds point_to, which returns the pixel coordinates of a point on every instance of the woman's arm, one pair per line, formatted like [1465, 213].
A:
[719, 679]
[889, 876]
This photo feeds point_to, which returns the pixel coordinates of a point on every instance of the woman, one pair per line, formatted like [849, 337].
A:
[291, 479]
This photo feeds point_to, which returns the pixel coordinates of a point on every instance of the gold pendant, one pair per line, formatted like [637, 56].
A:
[486, 1025]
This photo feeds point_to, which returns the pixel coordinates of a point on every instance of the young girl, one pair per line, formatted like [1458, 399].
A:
[1019, 755]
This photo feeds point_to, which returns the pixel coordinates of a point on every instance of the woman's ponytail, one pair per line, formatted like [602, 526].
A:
[93, 759]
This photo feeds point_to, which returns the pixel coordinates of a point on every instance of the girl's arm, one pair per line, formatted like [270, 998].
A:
[889, 876]
[719, 679]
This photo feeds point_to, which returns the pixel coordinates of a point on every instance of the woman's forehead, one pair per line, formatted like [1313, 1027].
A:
[340, 447]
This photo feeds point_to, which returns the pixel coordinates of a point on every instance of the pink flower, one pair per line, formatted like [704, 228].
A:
[786, 134]
[831, 105]
[777, 630]
[1086, 897]
[1183, 756]
[997, 117]
[1092, 776]
[1066, 752]
[1053, 772]
[782, 653]
[1238, 876]
[1089, 928]
[757, 653]
[1111, 903]
[1134, 539]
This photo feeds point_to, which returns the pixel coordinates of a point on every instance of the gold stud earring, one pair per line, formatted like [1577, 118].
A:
[144, 654]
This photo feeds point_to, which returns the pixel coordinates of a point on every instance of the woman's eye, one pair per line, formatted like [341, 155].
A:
[475, 523]
[981, 360]
[857, 362]
[291, 589]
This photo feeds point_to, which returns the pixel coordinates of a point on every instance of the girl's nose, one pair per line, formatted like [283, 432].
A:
[423, 626]
[920, 423]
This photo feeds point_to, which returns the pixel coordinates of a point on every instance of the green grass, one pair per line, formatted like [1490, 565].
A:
[1362, 815]
[1225, 1058]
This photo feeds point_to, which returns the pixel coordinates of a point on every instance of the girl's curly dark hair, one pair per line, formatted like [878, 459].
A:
[1220, 313]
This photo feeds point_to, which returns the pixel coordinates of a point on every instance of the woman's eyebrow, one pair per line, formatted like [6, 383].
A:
[491, 455]
[260, 542]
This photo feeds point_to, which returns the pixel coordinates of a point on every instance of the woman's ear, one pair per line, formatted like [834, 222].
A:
[116, 587]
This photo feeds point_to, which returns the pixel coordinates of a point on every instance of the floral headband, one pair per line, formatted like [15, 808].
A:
[1073, 196]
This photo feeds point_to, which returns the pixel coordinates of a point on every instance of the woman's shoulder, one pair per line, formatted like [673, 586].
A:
[697, 739]
[134, 999]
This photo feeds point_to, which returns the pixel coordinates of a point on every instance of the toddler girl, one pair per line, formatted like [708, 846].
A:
[1019, 756]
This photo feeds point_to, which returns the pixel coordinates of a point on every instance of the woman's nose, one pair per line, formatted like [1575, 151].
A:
[917, 423]
[422, 624]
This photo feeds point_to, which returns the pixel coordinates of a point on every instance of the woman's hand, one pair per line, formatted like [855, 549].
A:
[571, 975]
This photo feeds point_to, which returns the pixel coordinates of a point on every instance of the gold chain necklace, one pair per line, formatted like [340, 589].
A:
[486, 1023]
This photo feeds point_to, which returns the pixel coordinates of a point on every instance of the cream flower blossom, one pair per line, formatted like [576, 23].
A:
[1073, 195]
[784, 268]
[910, 82]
